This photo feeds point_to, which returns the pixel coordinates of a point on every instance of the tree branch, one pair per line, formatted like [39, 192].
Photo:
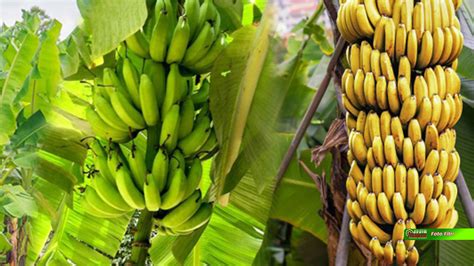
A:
[466, 198]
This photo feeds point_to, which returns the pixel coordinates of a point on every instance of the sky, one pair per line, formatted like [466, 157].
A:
[65, 11]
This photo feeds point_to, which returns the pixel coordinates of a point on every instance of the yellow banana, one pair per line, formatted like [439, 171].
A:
[371, 163]
[451, 191]
[420, 89]
[348, 105]
[404, 68]
[419, 20]
[431, 138]
[358, 148]
[412, 257]
[431, 82]
[438, 185]
[377, 180]
[451, 219]
[414, 131]
[453, 166]
[375, 63]
[362, 198]
[443, 208]
[452, 107]
[432, 162]
[453, 83]
[448, 46]
[458, 42]
[376, 248]
[379, 34]
[399, 206]
[369, 89]
[398, 230]
[432, 211]
[424, 112]
[353, 230]
[441, 80]
[351, 188]
[400, 41]
[426, 50]
[374, 124]
[385, 210]
[386, 66]
[400, 252]
[412, 48]
[390, 30]
[359, 87]
[356, 209]
[349, 210]
[459, 106]
[350, 122]
[404, 90]
[363, 237]
[373, 229]
[397, 133]
[436, 109]
[408, 109]
[401, 181]
[410, 225]
[438, 45]
[420, 155]
[372, 210]
[365, 53]
[407, 153]
[419, 209]
[372, 11]
[390, 151]
[363, 21]
[385, 121]
[368, 178]
[355, 172]
[378, 151]
[384, 7]
[360, 124]
[354, 57]
[388, 253]
[427, 186]
[445, 117]
[397, 11]
[392, 96]
[381, 93]
[412, 186]
[349, 90]
[388, 181]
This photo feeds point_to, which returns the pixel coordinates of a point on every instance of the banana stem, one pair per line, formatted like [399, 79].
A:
[142, 238]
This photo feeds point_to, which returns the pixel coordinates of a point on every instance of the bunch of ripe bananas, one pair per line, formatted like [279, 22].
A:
[122, 184]
[193, 39]
[155, 86]
[402, 96]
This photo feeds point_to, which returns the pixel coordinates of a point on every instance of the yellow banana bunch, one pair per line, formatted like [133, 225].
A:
[402, 94]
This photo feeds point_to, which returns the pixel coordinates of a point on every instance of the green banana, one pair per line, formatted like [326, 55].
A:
[203, 112]
[149, 102]
[177, 161]
[159, 36]
[100, 163]
[160, 169]
[205, 63]
[108, 114]
[186, 118]
[108, 192]
[100, 128]
[136, 161]
[200, 46]
[157, 73]
[210, 147]
[126, 111]
[176, 190]
[94, 211]
[111, 81]
[130, 76]
[191, 9]
[200, 218]
[97, 149]
[169, 130]
[196, 139]
[94, 200]
[138, 44]
[179, 42]
[193, 177]
[202, 95]
[114, 161]
[207, 12]
[175, 88]
[183, 211]
[151, 193]
[130, 193]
